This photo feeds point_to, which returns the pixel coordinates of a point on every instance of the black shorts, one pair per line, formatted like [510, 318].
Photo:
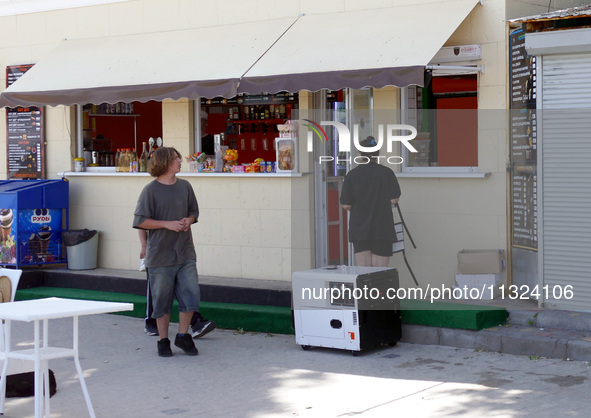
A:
[376, 246]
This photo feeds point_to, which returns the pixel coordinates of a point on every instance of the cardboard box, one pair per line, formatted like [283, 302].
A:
[466, 293]
[481, 261]
[479, 280]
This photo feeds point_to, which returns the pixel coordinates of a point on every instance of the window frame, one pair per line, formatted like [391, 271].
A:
[407, 97]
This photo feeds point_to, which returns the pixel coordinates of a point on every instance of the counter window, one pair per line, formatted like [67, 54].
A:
[446, 121]
[246, 124]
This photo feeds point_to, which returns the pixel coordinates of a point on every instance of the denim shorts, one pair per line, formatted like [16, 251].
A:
[180, 281]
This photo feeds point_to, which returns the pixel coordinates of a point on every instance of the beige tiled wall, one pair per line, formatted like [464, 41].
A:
[249, 234]
[249, 226]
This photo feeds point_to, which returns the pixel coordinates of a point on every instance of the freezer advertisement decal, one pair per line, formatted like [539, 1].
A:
[7, 242]
[40, 235]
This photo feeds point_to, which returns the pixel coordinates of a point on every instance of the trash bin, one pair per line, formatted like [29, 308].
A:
[81, 248]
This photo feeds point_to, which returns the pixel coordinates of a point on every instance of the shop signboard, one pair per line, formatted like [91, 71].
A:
[24, 127]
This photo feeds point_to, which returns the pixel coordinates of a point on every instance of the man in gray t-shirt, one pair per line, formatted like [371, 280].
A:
[167, 208]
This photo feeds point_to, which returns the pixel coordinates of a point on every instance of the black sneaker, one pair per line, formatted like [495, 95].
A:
[164, 348]
[186, 344]
[151, 328]
[202, 328]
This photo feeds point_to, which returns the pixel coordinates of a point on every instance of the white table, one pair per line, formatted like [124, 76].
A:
[43, 310]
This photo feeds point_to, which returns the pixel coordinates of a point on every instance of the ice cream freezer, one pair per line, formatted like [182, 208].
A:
[346, 307]
[33, 215]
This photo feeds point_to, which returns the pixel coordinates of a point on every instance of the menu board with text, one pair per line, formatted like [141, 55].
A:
[24, 127]
[523, 149]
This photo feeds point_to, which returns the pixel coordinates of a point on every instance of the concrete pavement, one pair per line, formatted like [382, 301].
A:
[261, 375]
[530, 330]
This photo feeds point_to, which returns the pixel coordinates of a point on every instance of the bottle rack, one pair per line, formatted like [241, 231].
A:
[253, 138]
[115, 115]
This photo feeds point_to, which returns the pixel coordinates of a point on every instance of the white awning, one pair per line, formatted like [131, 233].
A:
[205, 62]
[367, 48]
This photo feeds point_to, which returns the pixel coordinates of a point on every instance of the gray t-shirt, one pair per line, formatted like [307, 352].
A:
[163, 202]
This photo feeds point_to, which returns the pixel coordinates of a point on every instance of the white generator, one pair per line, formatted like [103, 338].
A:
[345, 307]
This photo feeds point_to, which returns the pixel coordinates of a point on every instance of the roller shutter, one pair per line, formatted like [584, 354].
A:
[565, 175]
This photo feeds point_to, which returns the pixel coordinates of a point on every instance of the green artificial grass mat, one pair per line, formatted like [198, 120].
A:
[252, 318]
[278, 320]
[451, 315]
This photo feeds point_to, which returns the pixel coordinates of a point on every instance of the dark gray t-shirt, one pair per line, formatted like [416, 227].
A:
[163, 202]
[369, 189]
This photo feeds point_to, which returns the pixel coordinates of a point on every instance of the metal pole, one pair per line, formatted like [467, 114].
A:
[455, 68]
[79, 132]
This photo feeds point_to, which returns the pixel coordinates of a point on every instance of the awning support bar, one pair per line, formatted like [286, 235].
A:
[455, 68]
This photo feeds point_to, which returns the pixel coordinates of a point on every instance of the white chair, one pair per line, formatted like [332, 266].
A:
[14, 275]
[15, 366]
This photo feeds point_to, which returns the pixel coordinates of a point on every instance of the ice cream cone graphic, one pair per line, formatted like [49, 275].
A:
[34, 245]
[6, 218]
[44, 236]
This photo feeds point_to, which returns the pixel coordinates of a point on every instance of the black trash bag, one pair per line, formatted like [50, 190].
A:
[23, 385]
[77, 236]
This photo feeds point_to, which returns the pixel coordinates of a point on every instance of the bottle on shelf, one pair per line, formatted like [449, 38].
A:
[143, 161]
[133, 162]
[117, 156]
[119, 167]
[154, 148]
[124, 160]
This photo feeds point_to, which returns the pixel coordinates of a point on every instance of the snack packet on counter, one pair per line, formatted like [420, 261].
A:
[198, 157]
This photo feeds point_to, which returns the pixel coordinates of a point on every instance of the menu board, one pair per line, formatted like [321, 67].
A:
[24, 127]
[523, 149]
